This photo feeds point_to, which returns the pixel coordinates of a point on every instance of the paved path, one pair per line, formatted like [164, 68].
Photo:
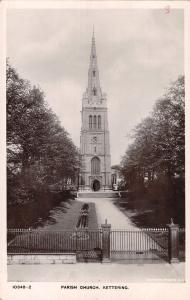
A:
[136, 241]
[105, 209]
[95, 272]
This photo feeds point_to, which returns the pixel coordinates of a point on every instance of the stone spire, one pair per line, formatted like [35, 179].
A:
[94, 89]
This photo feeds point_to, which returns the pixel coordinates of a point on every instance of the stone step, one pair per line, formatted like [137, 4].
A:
[98, 194]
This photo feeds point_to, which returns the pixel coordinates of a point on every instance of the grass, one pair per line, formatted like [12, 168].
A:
[58, 237]
[68, 218]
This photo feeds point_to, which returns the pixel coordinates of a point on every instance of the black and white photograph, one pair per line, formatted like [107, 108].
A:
[95, 146]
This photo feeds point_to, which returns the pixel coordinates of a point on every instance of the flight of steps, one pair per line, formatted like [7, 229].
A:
[99, 194]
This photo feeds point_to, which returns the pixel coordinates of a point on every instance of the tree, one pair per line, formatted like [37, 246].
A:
[157, 154]
[39, 150]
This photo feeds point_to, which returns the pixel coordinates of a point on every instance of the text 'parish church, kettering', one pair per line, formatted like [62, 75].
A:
[94, 139]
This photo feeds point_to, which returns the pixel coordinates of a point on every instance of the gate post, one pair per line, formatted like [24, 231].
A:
[106, 230]
[173, 242]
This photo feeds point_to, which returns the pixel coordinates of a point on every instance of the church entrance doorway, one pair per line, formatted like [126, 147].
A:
[96, 185]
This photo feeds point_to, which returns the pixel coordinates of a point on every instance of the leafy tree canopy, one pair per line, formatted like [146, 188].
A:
[39, 150]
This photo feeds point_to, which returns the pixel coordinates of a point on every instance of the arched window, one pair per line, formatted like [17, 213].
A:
[94, 91]
[94, 73]
[94, 122]
[95, 165]
[99, 122]
[90, 122]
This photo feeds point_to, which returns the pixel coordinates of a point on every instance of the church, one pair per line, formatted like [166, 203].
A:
[95, 171]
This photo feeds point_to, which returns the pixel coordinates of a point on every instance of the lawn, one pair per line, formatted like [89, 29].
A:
[57, 237]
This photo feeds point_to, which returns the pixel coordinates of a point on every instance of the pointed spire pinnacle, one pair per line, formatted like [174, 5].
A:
[93, 73]
[93, 47]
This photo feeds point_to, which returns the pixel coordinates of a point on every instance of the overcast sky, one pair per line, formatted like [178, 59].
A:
[139, 53]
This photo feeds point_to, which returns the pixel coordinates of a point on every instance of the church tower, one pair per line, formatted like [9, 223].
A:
[94, 139]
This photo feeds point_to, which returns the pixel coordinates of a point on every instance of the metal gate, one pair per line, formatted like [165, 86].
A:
[141, 244]
[88, 245]
[93, 245]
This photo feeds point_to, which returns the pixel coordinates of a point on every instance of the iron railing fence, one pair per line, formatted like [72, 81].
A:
[35, 241]
[144, 243]
[132, 244]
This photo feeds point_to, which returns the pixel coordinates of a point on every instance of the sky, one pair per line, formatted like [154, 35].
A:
[140, 52]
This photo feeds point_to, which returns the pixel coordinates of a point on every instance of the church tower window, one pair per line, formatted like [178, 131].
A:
[94, 122]
[90, 122]
[94, 73]
[99, 122]
[95, 165]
